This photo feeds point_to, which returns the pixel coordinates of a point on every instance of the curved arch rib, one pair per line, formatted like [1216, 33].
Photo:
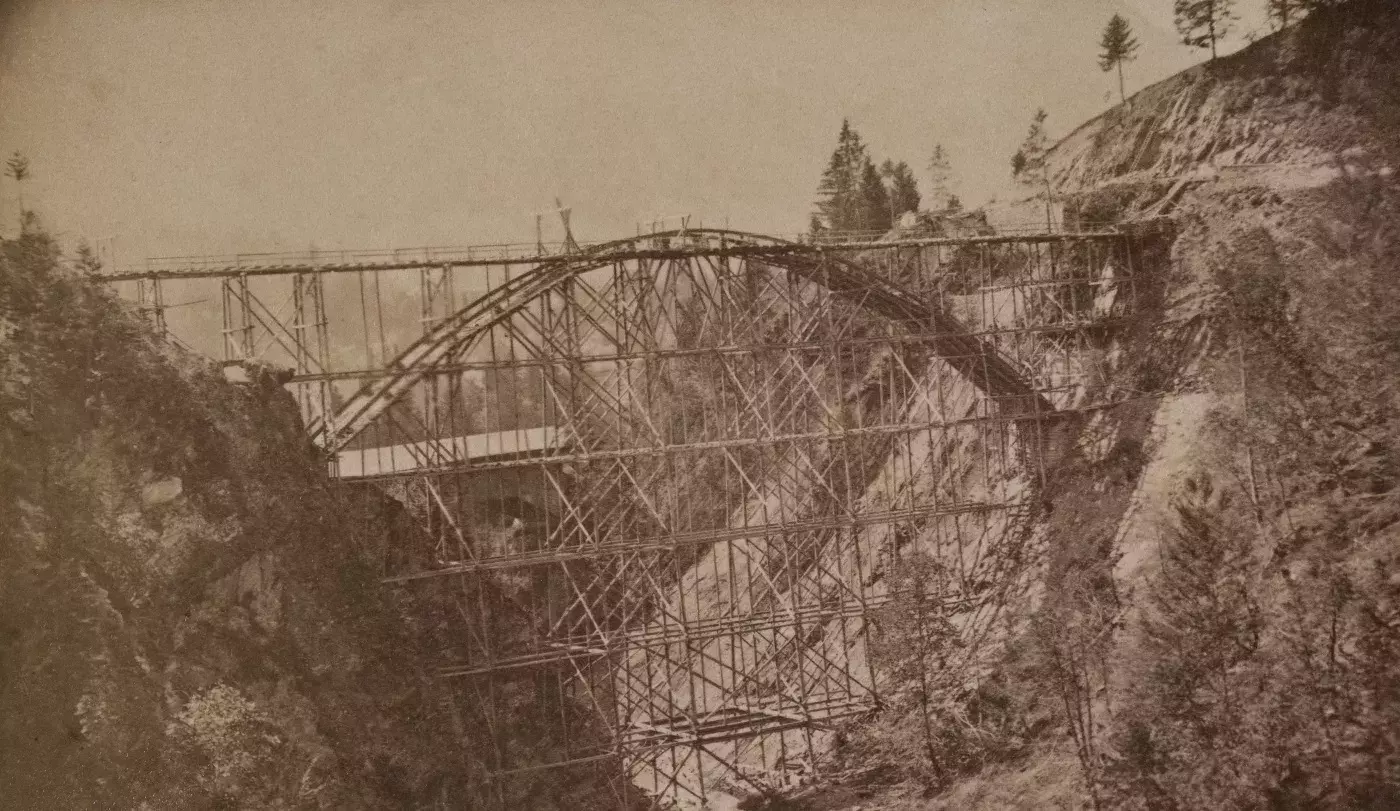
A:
[951, 340]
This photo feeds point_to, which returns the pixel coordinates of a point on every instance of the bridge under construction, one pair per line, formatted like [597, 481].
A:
[664, 482]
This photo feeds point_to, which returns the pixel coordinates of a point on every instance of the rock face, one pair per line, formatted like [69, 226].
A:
[186, 618]
[1313, 95]
[161, 491]
[1275, 167]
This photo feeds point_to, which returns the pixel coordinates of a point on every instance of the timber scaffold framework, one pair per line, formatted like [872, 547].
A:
[661, 483]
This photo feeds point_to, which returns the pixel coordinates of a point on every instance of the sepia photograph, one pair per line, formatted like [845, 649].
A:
[699, 405]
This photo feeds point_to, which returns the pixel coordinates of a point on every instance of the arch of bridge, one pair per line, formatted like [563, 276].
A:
[952, 341]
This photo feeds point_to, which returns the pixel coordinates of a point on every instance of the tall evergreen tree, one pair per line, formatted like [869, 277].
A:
[856, 196]
[1028, 164]
[1118, 46]
[1203, 23]
[914, 641]
[940, 173]
[875, 214]
[903, 188]
[840, 199]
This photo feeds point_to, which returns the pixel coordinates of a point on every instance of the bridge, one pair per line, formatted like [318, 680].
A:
[662, 482]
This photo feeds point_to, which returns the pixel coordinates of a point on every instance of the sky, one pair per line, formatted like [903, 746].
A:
[158, 127]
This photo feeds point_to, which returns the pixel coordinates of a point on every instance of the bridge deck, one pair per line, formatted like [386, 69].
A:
[410, 458]
[414, 259]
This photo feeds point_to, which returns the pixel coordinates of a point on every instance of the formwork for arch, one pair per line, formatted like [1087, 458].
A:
[663, 481]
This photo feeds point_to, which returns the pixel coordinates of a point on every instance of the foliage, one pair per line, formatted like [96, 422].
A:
[1204, 616]
[915, 640]
[1203, 23]
[1028, 164]
[1283, 13]
[87, 260]
[1267, 671]
[225, 725]
[854, 195]
[1108, 204]
[903, 189]
[874, 201]
[839, 204]
[1244, 705]
[940, 730]
[1117, 46]
[17, 167]
[230, 648]
[940, 173]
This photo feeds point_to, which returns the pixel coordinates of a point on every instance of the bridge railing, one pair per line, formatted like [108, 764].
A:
[518, 251]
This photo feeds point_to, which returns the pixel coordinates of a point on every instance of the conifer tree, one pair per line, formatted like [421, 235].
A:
[840, 199]
[1283, 13]
[902, 187]
[1118, 46]
[1028, 164]
[875, 214]
[1203, 23]
[940, 172]
[914, 642]
[1205, 619]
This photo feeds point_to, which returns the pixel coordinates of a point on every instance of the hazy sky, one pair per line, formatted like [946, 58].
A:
[214, 127]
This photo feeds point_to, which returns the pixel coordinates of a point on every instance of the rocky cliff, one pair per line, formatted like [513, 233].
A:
[188, 615]
[1220, 597]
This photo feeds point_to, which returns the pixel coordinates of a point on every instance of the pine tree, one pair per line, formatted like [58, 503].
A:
[1119, 46]
[840, 198]
[902, 187]
[914, 642]
[1028, 164]
[1205, 619]
[875, 214]
[1283, 13]
[1203, 23]
[940, 172]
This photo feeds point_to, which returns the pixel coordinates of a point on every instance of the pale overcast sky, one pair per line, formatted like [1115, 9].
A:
[215, 127]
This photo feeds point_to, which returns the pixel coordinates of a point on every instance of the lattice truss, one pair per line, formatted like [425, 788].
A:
[663, 482]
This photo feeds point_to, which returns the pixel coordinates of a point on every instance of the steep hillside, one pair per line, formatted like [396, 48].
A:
[1318, 95]
[1218, 625]
[186, 617]
[1253, 658]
